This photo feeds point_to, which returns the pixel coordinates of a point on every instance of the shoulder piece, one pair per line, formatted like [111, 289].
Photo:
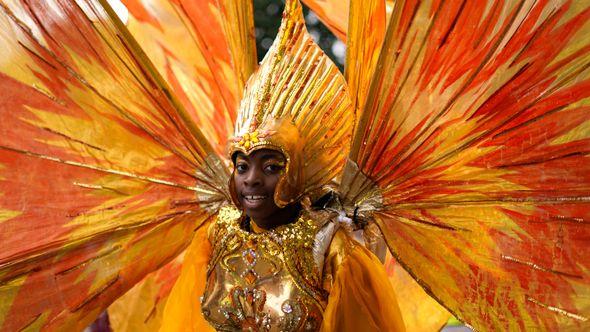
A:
[220, 233]
[227, 218]
[228, 215]
[327, 225]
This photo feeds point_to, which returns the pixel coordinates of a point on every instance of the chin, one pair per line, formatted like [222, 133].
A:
[255, 214]
[259, 210]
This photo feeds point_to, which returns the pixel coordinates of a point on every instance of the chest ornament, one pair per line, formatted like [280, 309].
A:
[266, 281]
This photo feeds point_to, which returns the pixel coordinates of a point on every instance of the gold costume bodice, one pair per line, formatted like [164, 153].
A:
[270, 281]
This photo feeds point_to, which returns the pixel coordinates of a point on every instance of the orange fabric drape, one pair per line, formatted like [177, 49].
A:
[361, 296]
[183, 309]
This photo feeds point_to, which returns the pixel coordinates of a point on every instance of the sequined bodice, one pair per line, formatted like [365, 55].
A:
[269, 281]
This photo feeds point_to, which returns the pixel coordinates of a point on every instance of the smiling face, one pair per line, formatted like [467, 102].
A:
[256, 177]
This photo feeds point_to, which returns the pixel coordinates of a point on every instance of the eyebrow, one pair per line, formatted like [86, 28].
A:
[264, 157]
[268, 156]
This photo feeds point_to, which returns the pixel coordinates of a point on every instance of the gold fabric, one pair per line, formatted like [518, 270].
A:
[308, 275]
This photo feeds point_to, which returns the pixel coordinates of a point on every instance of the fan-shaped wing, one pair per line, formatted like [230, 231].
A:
[473, 145]
[205, 49]
[98, 162]
[366, 31]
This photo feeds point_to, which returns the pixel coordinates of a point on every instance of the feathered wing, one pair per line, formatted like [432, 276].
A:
[473, 147]
[365, 34]
[362, 24]
[98, 163]
[205, 50]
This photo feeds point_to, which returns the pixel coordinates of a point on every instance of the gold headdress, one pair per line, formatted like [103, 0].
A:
[296, 103]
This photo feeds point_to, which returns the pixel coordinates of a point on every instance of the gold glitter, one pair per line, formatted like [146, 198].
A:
[279, 263]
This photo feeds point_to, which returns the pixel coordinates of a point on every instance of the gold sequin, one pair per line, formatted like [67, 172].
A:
[278, 264]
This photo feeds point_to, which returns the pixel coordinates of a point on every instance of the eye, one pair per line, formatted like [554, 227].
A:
[273, 168]
[241, 168]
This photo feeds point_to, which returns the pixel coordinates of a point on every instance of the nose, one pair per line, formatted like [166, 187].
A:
[253, 178]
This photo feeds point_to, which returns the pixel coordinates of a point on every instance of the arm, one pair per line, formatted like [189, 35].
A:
[361, 296]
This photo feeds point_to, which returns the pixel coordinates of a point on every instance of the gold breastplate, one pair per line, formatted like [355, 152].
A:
[269, 281]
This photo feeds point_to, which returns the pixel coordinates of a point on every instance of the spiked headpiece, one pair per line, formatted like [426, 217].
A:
[296, 103]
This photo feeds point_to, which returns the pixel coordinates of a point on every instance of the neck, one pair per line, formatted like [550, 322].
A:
[283, 216]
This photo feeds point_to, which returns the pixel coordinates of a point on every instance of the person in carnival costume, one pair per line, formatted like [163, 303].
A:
[459, 135]
[282, 264]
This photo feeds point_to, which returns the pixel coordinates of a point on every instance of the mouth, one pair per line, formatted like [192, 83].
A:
[254, 200]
